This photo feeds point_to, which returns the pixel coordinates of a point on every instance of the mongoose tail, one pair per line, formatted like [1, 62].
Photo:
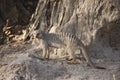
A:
[88, 60]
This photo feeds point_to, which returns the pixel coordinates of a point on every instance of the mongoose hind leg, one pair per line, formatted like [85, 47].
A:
[72, 58]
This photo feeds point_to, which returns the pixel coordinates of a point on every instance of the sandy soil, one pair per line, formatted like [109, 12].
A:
[20, 61]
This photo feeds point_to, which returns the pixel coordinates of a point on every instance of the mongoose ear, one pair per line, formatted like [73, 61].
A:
[35, 33]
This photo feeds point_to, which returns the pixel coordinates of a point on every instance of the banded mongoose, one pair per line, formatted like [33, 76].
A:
[64, 40]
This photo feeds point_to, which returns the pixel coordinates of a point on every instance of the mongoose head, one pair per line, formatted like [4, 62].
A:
[37, 34]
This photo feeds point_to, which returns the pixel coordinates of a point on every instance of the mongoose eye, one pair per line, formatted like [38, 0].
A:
[37, 35]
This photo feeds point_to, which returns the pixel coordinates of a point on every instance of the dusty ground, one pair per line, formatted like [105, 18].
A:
[18, 63]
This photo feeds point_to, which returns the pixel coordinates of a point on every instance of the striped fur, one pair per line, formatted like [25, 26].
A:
[64, 40]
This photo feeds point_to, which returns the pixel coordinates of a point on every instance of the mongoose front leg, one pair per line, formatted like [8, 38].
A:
[47, 53]
[44, 53]
[45, 49]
